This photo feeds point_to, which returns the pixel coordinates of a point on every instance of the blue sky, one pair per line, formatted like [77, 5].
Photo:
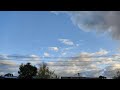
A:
[28, 32]
[47, 34]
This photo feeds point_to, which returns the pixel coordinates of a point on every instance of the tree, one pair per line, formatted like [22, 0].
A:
[27, 71]
[102, 77]
[117, 75]
[45, 73]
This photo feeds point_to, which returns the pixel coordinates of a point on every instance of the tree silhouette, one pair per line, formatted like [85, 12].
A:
[102, 77]
[27, 71]
[117, 76]
[45, 73]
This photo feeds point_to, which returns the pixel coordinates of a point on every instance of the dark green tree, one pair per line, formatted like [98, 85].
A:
[27, 71]
[45, 73]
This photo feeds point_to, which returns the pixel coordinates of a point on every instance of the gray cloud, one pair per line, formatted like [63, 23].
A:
[8, 67]
[88, 64]
[7, 63]
[10, 63]
[99, 21]
[83, 63]
[111, 70]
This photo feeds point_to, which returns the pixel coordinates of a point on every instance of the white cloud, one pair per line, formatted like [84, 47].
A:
[99, 53]
[63, 53]
[111, 70]
[34, 59]
[7, 63]
[3, 56]
[86, 63]
[55, 12]
[66, 41]
[102, 52]
[54, 48]
[46, 54]
[10, 64]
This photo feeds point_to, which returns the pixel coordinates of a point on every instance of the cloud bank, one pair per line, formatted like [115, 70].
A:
[90, 64]
[99, 21]
[10, 63]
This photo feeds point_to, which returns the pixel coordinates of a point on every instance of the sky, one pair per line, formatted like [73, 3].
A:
[41, 34]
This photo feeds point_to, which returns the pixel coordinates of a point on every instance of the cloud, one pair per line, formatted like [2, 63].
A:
[7, 63]
[99, 53]
[86, 63]
[10, 63]
[34, 59]
[3, 57]
[111, 70]
[54, 48]
[102, 52]
[8, 67]
[66, 41]
[99, 21]
[63, 53]
[46, 54]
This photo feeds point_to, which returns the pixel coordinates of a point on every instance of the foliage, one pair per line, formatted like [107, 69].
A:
[117, 75]
[45, 73]
[27, 71]
[102, 77]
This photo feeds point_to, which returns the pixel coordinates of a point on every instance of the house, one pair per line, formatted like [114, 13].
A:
[8, 76]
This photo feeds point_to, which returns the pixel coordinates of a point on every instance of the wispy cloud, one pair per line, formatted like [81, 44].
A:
[99, 53]
[53, 48]
[7, 63]
[3, 56]
[46, 54]
[66, 41]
